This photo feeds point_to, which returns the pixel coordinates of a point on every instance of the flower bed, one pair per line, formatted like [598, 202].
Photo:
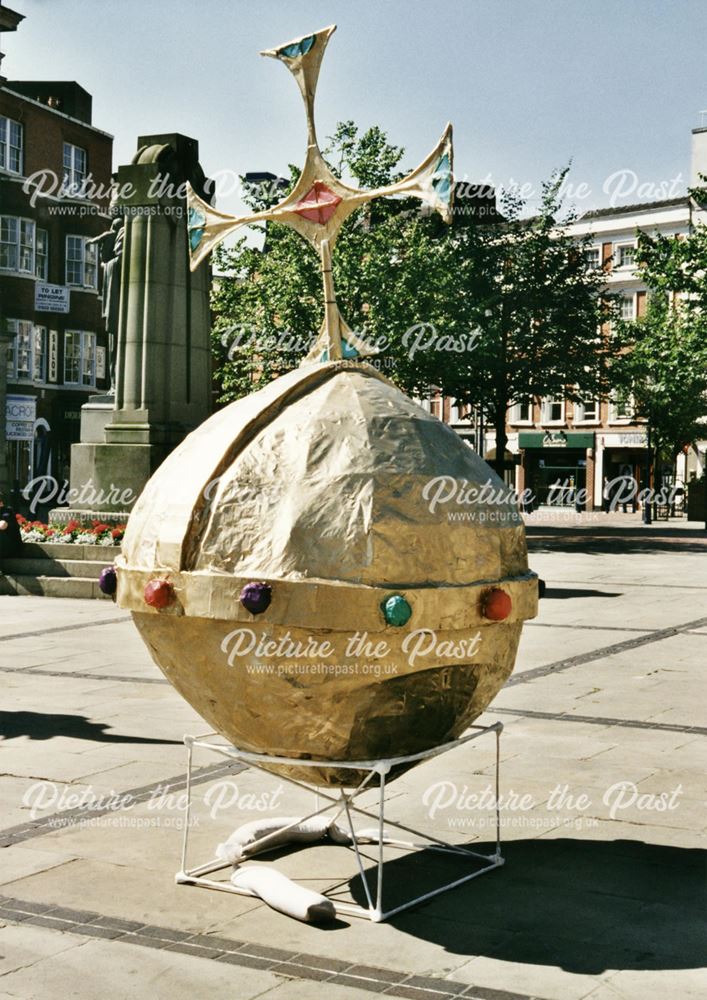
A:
[72, 533]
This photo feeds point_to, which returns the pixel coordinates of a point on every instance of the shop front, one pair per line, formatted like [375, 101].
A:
[623, 467]
[40, 429]
[557, 467]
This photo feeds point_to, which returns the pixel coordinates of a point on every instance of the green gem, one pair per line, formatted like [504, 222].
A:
[396, 610]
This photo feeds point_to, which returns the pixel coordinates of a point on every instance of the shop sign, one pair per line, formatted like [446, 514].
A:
[631, 439]
[555, 439]
[20, 415]
[53, 367]
[51, 298]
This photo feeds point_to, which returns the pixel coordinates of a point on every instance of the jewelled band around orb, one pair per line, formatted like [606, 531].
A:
[328, 604]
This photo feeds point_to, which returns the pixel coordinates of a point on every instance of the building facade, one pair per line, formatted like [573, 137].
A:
[55, 176]
[557, 447]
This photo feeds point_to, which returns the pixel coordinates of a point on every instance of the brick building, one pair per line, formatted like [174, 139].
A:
[55, 175]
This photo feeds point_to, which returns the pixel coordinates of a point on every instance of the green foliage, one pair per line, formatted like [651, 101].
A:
[666, 365]
[525, 286]
[507, 309]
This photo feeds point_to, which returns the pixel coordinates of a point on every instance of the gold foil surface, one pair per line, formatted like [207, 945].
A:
[339, 491]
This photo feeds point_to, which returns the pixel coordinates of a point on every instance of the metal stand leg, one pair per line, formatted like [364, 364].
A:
[344, 803]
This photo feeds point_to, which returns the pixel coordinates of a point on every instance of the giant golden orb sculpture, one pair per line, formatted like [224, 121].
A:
[322, 487]
[305, 568]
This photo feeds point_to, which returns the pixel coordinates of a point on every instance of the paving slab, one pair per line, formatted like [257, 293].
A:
[87, 967]
[585, 905]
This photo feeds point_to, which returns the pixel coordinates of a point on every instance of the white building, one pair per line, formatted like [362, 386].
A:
[560, 446]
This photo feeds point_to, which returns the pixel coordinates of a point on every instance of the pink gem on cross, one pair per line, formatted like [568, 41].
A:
[319, 204]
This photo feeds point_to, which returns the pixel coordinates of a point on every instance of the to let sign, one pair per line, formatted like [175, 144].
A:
[51, 298]
[20, 415]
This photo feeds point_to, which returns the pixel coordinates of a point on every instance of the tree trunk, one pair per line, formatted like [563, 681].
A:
[499, 463]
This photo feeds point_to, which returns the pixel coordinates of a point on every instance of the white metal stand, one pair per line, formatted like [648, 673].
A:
[343, 803]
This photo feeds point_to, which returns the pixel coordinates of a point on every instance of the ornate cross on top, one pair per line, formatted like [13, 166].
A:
[320, 202]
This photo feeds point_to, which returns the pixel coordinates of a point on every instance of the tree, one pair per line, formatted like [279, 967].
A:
[665, 364]
[488, 313]
[268, 306]
[524, 285]
[665, 370]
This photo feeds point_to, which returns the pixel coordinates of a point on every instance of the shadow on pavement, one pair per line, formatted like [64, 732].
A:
[611, 539]
[562, 593]
[39, 726]
[583, 905]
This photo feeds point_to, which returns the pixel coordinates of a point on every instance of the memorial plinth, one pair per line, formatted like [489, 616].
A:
[162, 363]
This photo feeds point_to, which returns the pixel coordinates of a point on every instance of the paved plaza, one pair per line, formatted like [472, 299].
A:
[602, 779]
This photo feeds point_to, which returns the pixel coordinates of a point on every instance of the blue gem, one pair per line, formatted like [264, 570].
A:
[396, 610]
[348, 350]
[300, 48]
[196, 220]
[442, 178]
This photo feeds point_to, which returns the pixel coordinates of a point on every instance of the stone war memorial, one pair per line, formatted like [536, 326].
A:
[340, 544]
[157, 316]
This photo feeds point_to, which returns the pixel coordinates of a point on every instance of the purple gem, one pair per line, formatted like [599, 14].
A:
[256, 597]
[108, 580]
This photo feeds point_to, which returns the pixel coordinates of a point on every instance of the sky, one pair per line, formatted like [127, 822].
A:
[530, 85]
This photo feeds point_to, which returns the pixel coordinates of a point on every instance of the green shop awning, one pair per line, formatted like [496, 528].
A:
[555, 439]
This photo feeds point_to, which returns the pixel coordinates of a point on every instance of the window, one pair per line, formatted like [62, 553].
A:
[39, 368]
[593, 256]
[88, 355]
[74, 168]
[553, 411]
[586, 412]
[460, 413]
[627, 306]
[10, 145]
[26, 247]
[41, 248]
[17, 244]
[522, 413]
[624, 254]
[9, 229]
[620, 407]
[81, 268]
[19, 355]
[79, 358]
[72, 357]
[27, 353]
[432, 402]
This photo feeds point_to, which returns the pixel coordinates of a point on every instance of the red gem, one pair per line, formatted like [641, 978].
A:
[319, 204]
[496, 605]
[159, 593]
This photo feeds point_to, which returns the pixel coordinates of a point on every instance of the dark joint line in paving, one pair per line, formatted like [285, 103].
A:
[63, 628]
[135, 796]
[589, 628]
[597, 654]
[291, 964]
[597, 720]
[82, 675]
